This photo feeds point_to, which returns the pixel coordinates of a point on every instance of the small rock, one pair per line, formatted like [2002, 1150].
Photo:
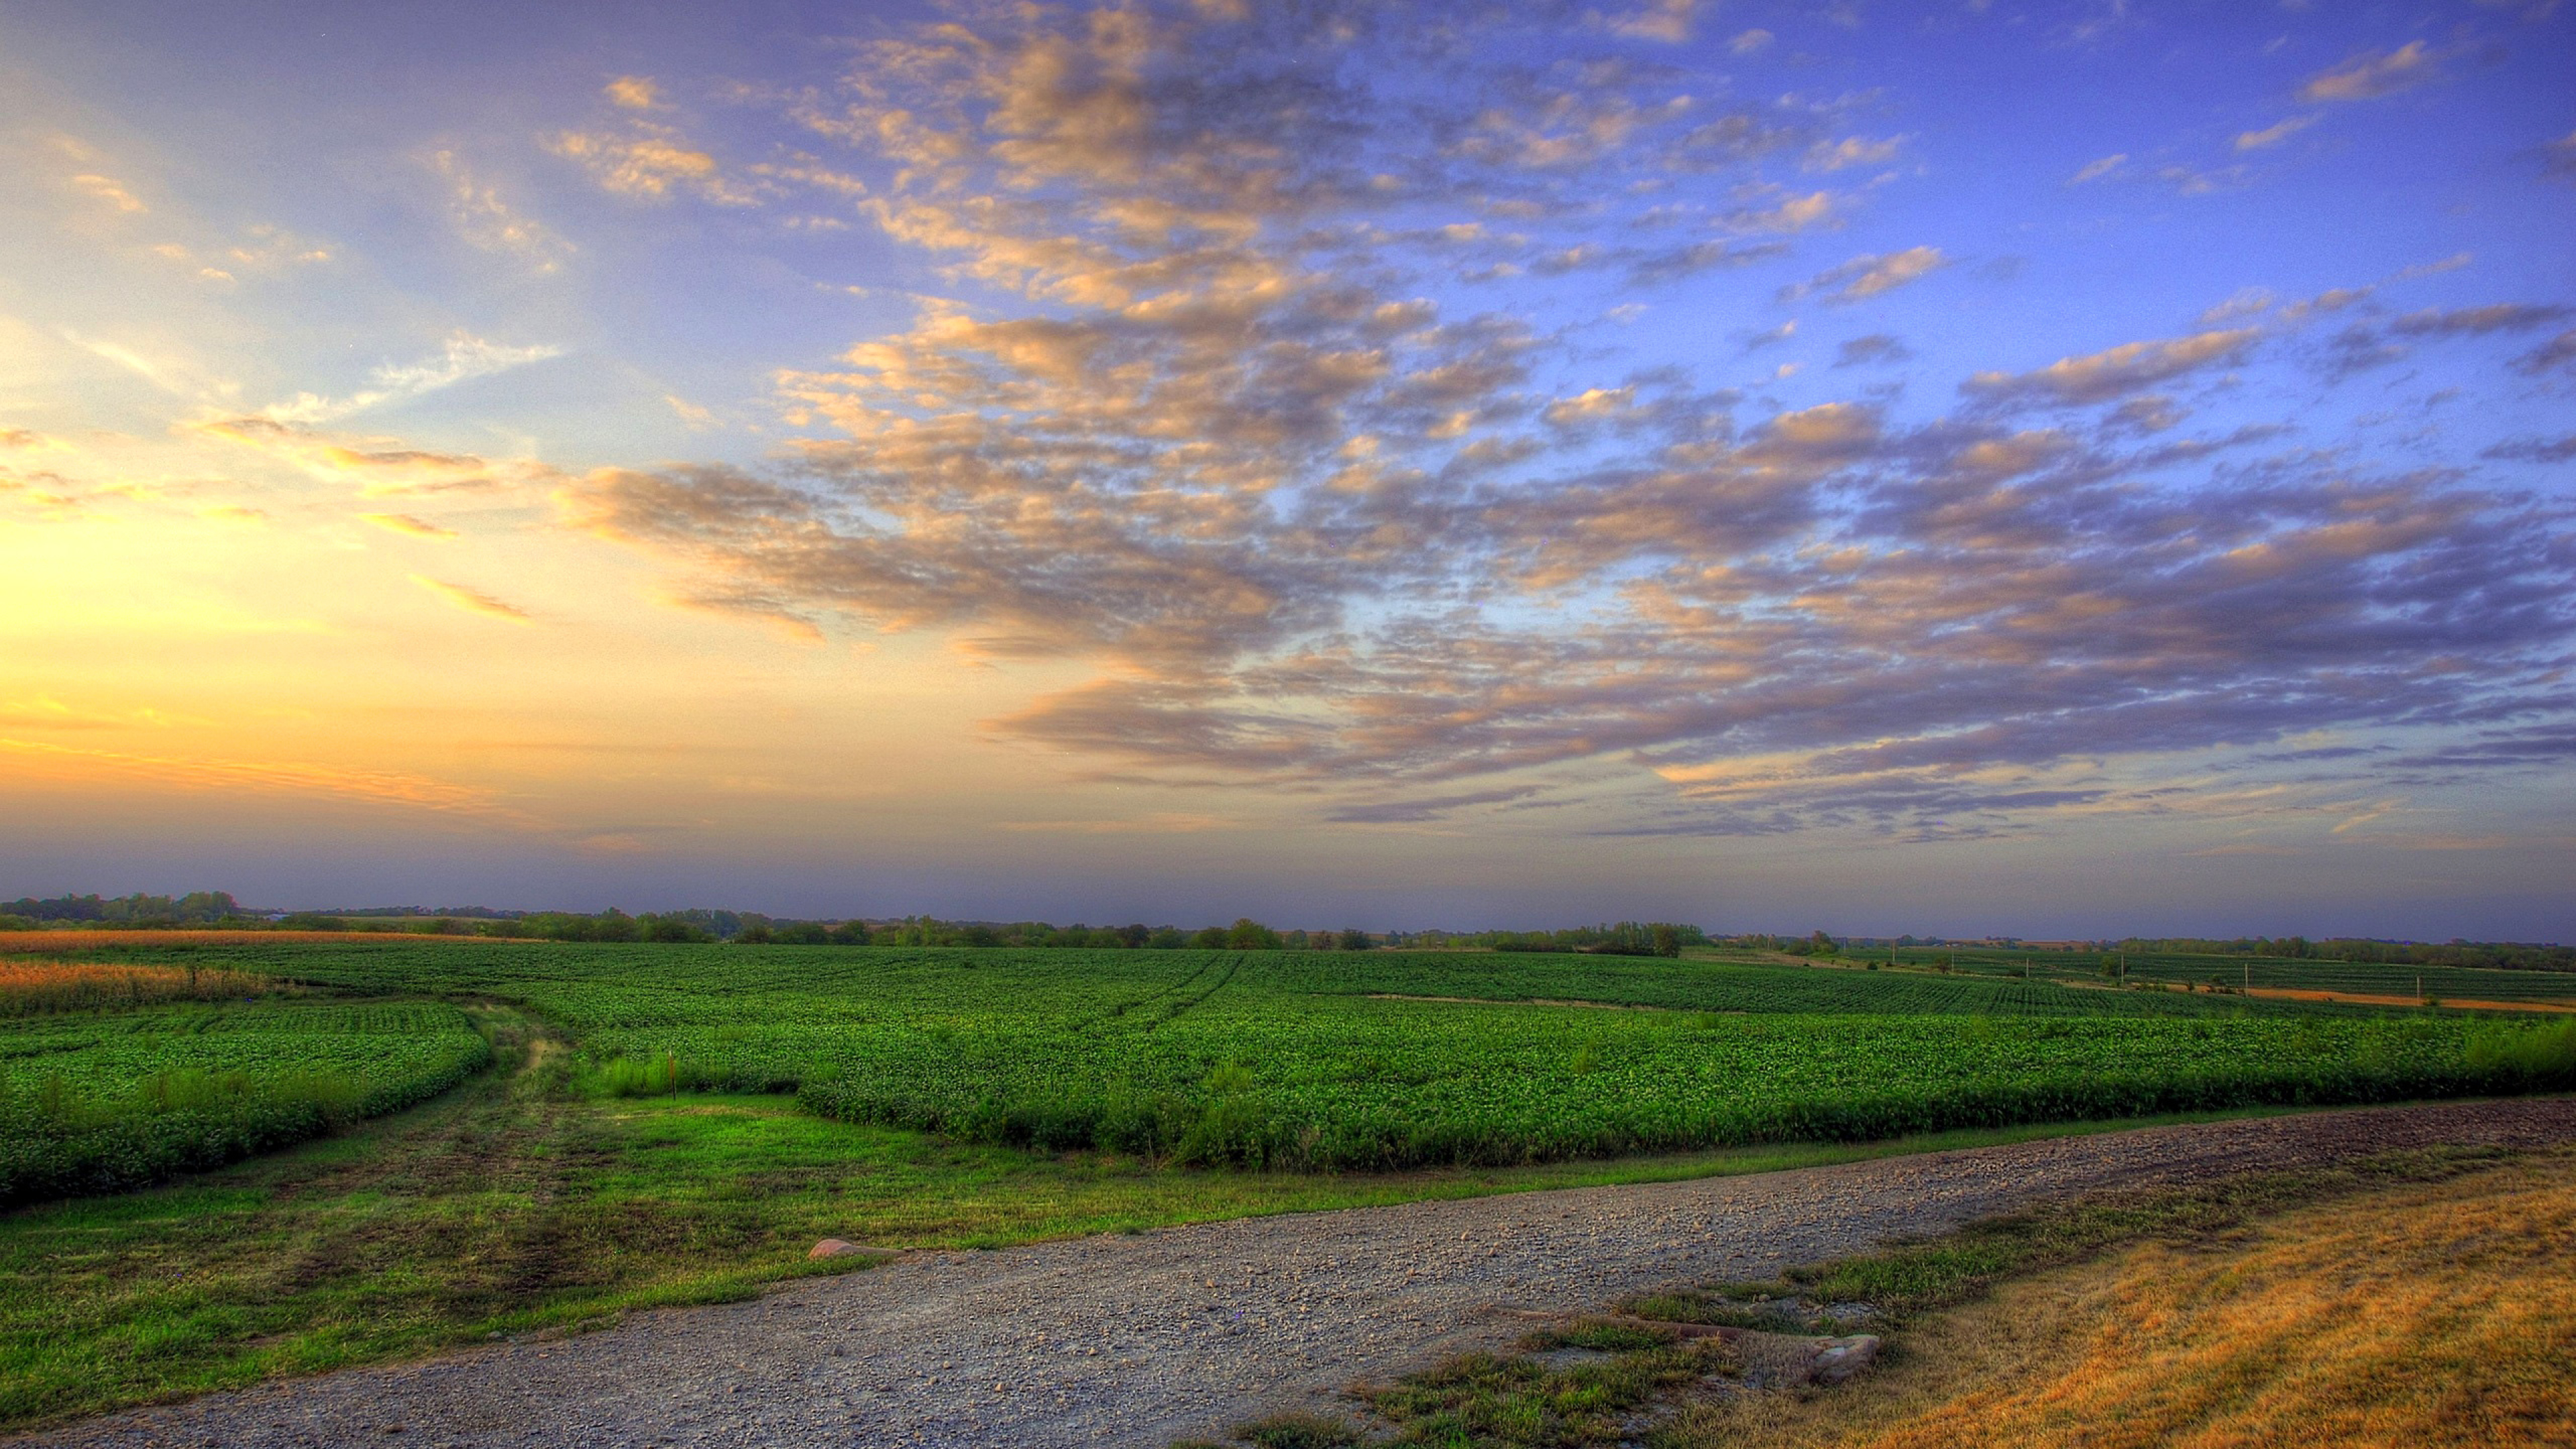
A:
[831, 1248]
[1843, 1357]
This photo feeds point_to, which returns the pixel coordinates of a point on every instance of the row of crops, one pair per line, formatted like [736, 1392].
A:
[2356, 978]
[101, 1100]
[1386, 1059]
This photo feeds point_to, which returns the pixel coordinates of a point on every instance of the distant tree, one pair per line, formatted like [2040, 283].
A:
[1166, 938]
[848, 933]
[1668, 941]
[982, 936]
[754, 935]
[1356, 939]
[801, 933]
[673, 929]
[1248, 934]
[1211, 938]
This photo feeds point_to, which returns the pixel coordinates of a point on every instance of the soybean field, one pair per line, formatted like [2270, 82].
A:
[1389, 1060]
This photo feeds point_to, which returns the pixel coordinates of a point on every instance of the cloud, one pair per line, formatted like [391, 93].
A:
[1749, 42]
[633, 92]
[2558, 353]
[1206, 436]
[463, 358]
[1868, 276]
[2113, 372]
[2372, 74]
[1426, 808]
[2096, 170]
[1665, 20]
[2275, 133]
[332, 782]
[1874, 347]
[473, 601]
[1852, 151]
[2478, 321]
[374, 467]
[650, 162]
[488, 222]
[2535, 450]
[109, 190]
[404, 523]
[2558, 158]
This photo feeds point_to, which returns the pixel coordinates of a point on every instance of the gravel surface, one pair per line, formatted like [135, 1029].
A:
[1138, 1340]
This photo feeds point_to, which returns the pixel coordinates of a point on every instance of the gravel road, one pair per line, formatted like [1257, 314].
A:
[1142, 1339]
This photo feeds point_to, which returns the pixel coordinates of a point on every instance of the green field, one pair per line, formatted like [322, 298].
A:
[1388, 1060]
[675, 1123]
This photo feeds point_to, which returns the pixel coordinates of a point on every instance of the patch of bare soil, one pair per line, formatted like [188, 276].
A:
[1139, 1340]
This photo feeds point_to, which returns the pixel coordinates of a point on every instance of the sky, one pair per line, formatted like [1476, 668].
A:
[2035, 468]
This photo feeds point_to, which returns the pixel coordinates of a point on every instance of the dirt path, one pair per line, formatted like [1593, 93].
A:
[1139, 1340]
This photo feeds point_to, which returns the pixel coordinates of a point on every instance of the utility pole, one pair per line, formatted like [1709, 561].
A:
[2249, 978]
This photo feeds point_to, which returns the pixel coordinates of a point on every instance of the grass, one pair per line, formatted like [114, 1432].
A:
[2422, 1314]
[530, 1200]
[2384, 1297]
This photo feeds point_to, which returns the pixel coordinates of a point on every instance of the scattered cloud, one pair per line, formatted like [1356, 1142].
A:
[2558, 158]
[371, 787]
[2114, 372]
[2535, 450]
[2096, 170]
[1749, 42]
[473, 601]
[1875, 347]
[1852, 151]
[1665, 20]
[463, 358]
[633, 92]
[2275, 133]
[2557, 354]
[405, 523]
[490, 223]
[2372, 74]
[650, 162]
[1868, 276]
[109, 190]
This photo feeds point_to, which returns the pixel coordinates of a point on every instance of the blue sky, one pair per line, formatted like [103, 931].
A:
[2039, 468]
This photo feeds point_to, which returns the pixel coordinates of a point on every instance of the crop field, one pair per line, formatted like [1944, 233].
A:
[2262, 973]
[1342, 1061]
[633, 1125]
[95, 1100]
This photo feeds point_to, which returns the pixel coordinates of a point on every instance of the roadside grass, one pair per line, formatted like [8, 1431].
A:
[529, 1200]
[2368, 1303]
[2438, 1313]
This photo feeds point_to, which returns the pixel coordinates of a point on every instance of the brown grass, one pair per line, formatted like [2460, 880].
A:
[2433, 1315]
[2285, 993]
[18, 943]
[29, 987]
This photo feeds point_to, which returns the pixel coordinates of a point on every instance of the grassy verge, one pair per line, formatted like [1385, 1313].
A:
[2420, 1247]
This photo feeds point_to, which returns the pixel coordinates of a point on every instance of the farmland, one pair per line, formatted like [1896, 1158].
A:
[675, 1123]
[1375, 1061]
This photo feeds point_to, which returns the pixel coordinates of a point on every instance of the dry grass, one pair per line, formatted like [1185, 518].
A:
[2431, 1315]
[30, 987]
[21, 943]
